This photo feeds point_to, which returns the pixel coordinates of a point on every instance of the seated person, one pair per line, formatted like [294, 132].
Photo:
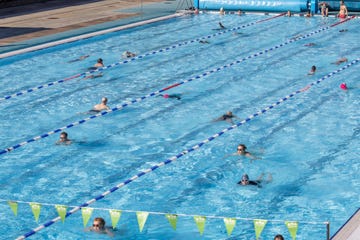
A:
[228, 117]
[308, 14]
[288, 14]
[245, 180]
[99, 227]
[101, 106]
[222, 11]
[64, 140]
[324, 9]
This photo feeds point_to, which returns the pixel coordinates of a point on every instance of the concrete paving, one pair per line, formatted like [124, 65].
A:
[32, 24]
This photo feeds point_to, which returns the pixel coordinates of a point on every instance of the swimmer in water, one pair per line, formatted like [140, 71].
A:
[100, 107]
[99, 63]
[228, 117]
[176, 95]
[245, 181]
[343, 86]
[241, 151]
[341, 60]
[312, 70]
[63, 140]
[79, 59]
[128, 54]
[99, 227]
[221, 26]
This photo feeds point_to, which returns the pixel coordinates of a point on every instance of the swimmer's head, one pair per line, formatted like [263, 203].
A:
[343, 86]
[99, 60]
[245, 177]
[166, 95]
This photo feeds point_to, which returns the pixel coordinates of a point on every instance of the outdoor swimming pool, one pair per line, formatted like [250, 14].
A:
[309, 143]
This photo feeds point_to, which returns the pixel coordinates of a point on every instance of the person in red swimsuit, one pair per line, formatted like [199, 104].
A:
[343, 12]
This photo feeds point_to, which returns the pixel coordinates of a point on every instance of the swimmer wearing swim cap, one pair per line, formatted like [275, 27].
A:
[343, 86]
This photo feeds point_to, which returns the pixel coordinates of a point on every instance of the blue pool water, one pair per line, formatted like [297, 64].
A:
[309, 143]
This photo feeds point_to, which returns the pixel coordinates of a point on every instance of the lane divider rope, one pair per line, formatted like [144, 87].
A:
[129, 60]
[195, 147]
[8, 149]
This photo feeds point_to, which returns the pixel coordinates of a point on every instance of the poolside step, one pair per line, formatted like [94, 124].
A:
[350, 230]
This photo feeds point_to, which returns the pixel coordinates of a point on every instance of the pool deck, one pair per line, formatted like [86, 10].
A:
[350, 230]
[33, 24]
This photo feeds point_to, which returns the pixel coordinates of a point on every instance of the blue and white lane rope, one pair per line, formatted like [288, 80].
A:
[129, 60]
[195, 147]
[8, 149]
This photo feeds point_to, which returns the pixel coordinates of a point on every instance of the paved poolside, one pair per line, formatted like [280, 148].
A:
[37, 23]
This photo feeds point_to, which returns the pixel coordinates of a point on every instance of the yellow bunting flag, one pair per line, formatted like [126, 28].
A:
[259, 225]
[61, 209]
[115, 217]
[142, 217]
[86, 214]
[13, 206]
[200, 223]
[229, 224]
[292, 227]
[35, 207]
[172, 220]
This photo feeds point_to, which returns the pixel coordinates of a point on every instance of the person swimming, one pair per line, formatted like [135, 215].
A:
[79, 59]
[99, 64]
[245, 181]
[312, 70]
[176, 95]
[128, 54]
[63, 140]
[228, 117]
[100, 107]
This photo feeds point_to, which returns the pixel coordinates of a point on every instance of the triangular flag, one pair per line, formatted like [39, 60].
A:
[200, 223]
[115, 217]
[13, 206]
[35, 207]
[61, 209]
[292, 227]
[141, 217]
[86, 214]
[172, 220]
[259, 225]
[229, 224]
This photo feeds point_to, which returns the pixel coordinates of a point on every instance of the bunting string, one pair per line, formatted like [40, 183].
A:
[163, 213]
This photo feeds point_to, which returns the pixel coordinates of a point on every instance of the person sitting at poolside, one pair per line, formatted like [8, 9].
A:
[222, 11]
[128, 54]
[312, 70]
[99, 227]
[343, 12]
[308, 14]
[279, 237]
[228, 116]
[101, 106]
[288, 14]
[258, 182]
[175, 95]
[341, 60]
[64, 140]
[324, 9]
